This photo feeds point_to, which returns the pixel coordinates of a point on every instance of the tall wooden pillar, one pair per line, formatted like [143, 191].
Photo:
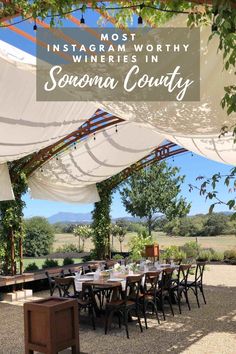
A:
[12, 243]
[109, 245]
[21, 255]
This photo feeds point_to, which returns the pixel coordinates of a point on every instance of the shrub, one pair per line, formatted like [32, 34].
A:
[137, 245]
[230, 254]
[31, 267]
[117, 256]
[204, 255]
[170, 252]
[39, 237]
[67, 248]
[173, 252]
[217, 256]
[90, 256]
[191, 249]
[68, 261]
[50, 263]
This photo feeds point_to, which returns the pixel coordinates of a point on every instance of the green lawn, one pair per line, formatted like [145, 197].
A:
[40, 261]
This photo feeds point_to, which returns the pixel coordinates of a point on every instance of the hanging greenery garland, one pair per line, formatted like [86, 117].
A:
[12, 228]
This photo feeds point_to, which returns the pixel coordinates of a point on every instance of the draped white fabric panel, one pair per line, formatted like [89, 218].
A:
[194, 125]
[43, 189]
[96, 160]
[26, 125]
[6, 192]
[221, 149]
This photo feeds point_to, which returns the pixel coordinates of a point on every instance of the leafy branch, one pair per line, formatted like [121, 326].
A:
[208, 189]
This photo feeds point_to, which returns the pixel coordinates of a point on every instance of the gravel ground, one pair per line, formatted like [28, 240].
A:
[208, 330]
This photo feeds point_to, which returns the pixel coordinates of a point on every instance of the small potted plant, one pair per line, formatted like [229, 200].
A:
[152, 250]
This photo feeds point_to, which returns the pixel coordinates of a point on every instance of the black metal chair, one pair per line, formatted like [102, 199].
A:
[180, 287]
[86, 301]
[164, 290]
[51, 281]
[85, 298]
[149, 294]
[66, 287]
[197, 283]
[128, 301]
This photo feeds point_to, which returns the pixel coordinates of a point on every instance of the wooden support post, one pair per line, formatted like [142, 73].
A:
[109, 245]
[21, 255]
[12, 243]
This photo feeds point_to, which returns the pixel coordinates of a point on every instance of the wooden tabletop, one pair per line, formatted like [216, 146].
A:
[106, 283]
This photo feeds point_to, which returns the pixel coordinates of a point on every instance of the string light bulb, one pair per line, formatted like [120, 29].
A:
[140, 20]
[82, 20]
[214, 27]
[35, 26]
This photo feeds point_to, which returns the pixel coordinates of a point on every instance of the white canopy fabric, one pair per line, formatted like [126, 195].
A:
[221, 149]
[94, 161]
[193, 125]
[41, 188]
[28, 125]
[6, 192]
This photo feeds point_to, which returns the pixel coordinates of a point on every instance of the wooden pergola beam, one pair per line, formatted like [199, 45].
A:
[99, 121]
[162, 152]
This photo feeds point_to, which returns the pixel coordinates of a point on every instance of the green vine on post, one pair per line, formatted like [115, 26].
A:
[102, 220]
[101, 216]
[12, 229]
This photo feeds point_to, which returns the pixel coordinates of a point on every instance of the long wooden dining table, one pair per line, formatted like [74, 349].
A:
[115, 284]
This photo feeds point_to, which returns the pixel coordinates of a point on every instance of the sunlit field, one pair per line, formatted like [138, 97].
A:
[219, 243]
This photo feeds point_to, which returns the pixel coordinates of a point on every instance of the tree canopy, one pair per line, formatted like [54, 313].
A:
[154, 190]
[199, 225]
[39, 237]
[84, 232]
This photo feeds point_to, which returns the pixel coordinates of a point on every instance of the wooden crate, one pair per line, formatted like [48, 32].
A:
[152, 251]
[51, 325]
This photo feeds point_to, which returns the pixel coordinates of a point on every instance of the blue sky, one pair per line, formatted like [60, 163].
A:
[191, 166]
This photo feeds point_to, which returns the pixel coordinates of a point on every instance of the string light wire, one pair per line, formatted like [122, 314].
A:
[140, 6]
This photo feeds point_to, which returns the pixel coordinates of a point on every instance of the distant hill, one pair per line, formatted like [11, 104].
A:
[83, 218]
[86, 218]
[70, 218]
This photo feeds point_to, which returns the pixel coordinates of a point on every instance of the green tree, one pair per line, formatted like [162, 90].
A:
[216, 224]
[39, 237]
[154, 190]
[114, 230]
[84, 232]
[119, 231]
